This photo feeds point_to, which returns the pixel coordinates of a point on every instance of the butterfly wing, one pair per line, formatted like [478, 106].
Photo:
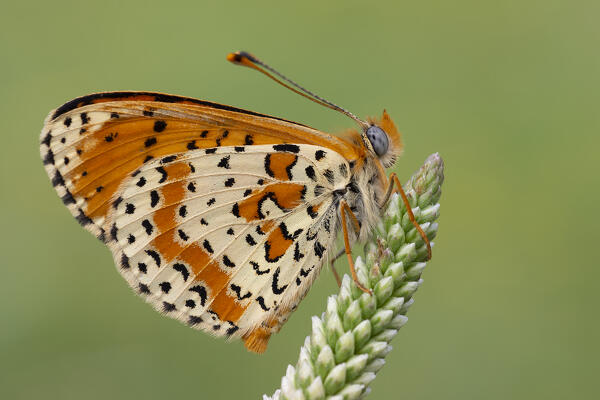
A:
[92, 143]
[218, 217]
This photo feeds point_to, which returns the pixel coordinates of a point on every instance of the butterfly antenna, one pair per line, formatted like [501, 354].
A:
[248, 60]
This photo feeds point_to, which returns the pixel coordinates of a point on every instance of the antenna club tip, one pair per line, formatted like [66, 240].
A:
[239, 57]
[235, 58]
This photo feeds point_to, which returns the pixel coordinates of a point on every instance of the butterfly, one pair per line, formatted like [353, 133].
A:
[217, 216]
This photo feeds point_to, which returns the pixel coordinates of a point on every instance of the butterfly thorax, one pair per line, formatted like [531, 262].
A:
[363, 195]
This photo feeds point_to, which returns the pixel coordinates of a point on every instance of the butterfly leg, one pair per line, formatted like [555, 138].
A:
[345, 209]
[332, 266]
[394, 181]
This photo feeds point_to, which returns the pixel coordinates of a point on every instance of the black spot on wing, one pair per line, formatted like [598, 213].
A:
[261, 302]
[319, 155]
[101, 236]
[310, 172]
[147, 226]
[143, 289]
[256, 268]
[168, 159]
[275, 285]
[231, 330]
[165, 287]
[154, 198]
[207, 246]
[47, 139]
[228, 262]
[182, 235]
[58, 180]
[319, 190]
[250, 240]
[319, 249]
[163, 174]
[49, 158]
[143, 268]
[151, 141]
[83, 219]
[237, 290]
[155, 256]
[297, 254]
[182, 270]
[201, 291]
[329, 175]
[159, 126]
[267, 163]
[224, 163]
[113, 232]
[67, 198]
[292, 148]
[125, 261]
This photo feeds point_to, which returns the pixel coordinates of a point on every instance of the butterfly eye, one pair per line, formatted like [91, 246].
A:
[378, 139]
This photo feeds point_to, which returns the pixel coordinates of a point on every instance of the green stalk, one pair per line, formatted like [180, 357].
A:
[349, 342]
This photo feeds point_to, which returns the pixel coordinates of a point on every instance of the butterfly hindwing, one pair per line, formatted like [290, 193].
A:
[225, 240]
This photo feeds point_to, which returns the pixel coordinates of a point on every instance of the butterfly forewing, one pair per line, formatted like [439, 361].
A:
[218, 217]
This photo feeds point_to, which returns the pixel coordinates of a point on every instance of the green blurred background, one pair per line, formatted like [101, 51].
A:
[506, 91]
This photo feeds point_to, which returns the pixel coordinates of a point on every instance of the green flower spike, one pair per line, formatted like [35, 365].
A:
[349, 342]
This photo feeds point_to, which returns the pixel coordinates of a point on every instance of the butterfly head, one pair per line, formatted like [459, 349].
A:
[382, 138]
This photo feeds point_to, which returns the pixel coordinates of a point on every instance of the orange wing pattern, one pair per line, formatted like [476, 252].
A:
[90, 144]
[208, 209]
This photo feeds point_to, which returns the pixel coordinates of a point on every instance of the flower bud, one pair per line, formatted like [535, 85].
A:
[344, 348]
[352, 316]
[384, 289]
[335, 379]
[380, 320]
[355, 366]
